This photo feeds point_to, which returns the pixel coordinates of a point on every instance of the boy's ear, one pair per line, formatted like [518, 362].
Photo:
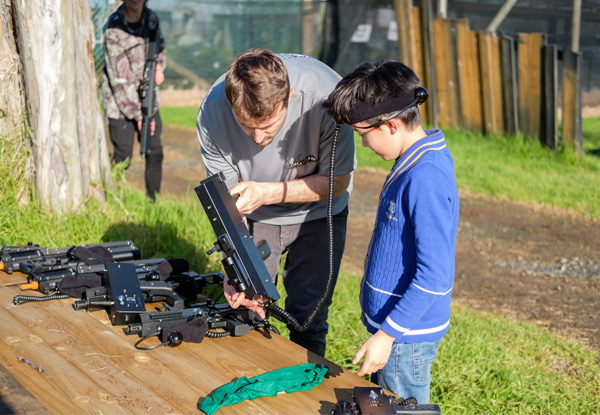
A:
[393, 125]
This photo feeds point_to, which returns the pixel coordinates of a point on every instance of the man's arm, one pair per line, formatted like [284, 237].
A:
[313, 188]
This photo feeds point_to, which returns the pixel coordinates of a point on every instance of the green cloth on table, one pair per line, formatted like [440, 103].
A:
[288, 379]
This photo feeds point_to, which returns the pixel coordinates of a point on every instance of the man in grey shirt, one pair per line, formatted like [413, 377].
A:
[263, 126]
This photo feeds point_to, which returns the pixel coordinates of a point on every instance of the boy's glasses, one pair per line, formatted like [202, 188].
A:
[421, 95]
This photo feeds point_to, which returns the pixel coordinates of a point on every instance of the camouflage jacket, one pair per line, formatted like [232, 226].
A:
[125, 46]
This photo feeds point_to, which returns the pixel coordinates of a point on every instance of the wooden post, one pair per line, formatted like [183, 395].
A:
[490, 83]
[572, 60]
[572, 132]
[469, 77]
[406, 38]
[500, 16]
[509, 85]
[307, 28]
[549, 127]
[530, 82]
[429, 63]
[419, 66]
[445, 70]
[443, 9]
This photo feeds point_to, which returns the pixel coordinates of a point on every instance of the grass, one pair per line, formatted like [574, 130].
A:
[487, 364]
[184, 117]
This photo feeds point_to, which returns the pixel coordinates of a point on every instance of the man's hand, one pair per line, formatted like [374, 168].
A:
[159, 75]
[152, 126]
[252, 195]
[376, 351]
[236, 299]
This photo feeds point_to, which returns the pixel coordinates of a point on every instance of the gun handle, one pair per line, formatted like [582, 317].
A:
[145, 137]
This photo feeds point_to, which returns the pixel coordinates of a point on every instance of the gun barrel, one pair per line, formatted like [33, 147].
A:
[145, 137]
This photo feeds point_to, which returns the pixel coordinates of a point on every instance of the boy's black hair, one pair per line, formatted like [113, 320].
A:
[374, 83]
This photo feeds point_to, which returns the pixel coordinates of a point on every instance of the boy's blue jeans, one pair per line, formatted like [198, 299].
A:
[408, 370]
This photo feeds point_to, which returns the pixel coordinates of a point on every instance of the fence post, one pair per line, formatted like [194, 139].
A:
[549, 128]
[419, 65]
[307, 28]
[406, 38]
[445, 70]
[429, 63]
[571, 121]
[530, 82]
[509, 82]
[489, 55]
[469, 81]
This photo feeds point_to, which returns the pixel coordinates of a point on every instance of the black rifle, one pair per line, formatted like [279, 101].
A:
[47, 278]
[147, 90]
[233, 322]
[374, 401]
[243, 262]
[125, 293]
[26, 257]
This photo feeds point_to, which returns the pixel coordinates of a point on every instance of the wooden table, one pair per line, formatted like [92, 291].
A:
[90, 366]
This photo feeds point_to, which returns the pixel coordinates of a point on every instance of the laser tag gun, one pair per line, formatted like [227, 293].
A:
[124, 290]
[122, 294]
[243, 261]
[24, 258]
[373, 401]
[147, 90]
[47, 279]
[233, 322]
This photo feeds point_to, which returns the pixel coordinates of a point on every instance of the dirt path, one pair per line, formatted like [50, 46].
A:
[529, 263]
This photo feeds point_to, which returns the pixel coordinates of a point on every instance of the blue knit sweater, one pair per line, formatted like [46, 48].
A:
[409, 267]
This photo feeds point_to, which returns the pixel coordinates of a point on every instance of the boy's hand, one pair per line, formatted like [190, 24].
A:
[376, 351]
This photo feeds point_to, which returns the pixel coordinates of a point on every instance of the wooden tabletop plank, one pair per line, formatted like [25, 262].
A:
[91, 366]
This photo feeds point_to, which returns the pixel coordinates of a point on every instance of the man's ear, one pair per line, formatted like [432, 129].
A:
[292, 93]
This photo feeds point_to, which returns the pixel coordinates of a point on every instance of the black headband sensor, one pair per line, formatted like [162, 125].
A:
[420, 96]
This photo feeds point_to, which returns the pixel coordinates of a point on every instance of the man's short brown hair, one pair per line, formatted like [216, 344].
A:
[257, 85]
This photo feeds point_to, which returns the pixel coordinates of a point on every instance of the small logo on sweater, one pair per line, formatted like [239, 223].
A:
[391, 211]
[305, 161]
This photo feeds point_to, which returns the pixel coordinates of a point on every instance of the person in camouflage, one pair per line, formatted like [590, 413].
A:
[126, 37]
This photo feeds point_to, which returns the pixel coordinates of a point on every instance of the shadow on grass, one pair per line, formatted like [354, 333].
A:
[161, 240]
[594, 152]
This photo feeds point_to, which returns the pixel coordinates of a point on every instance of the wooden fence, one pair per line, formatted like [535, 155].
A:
[481, 81]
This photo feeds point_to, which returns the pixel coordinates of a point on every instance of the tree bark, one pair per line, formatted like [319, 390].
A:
[14, 140]
[11, 107]
[68, 139]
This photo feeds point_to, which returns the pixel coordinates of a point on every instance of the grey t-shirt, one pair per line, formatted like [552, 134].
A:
[301, 148]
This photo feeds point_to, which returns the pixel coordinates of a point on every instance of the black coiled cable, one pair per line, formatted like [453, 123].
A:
[279, 313]
[21, 299]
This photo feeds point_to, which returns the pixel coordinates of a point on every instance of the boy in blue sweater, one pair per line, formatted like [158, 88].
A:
[409, 266]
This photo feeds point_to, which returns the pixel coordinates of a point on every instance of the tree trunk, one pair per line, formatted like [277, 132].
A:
[68, 139]
[11, 109]
[14, 142]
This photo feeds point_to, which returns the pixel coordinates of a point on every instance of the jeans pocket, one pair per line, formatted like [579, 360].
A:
[423, 357]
